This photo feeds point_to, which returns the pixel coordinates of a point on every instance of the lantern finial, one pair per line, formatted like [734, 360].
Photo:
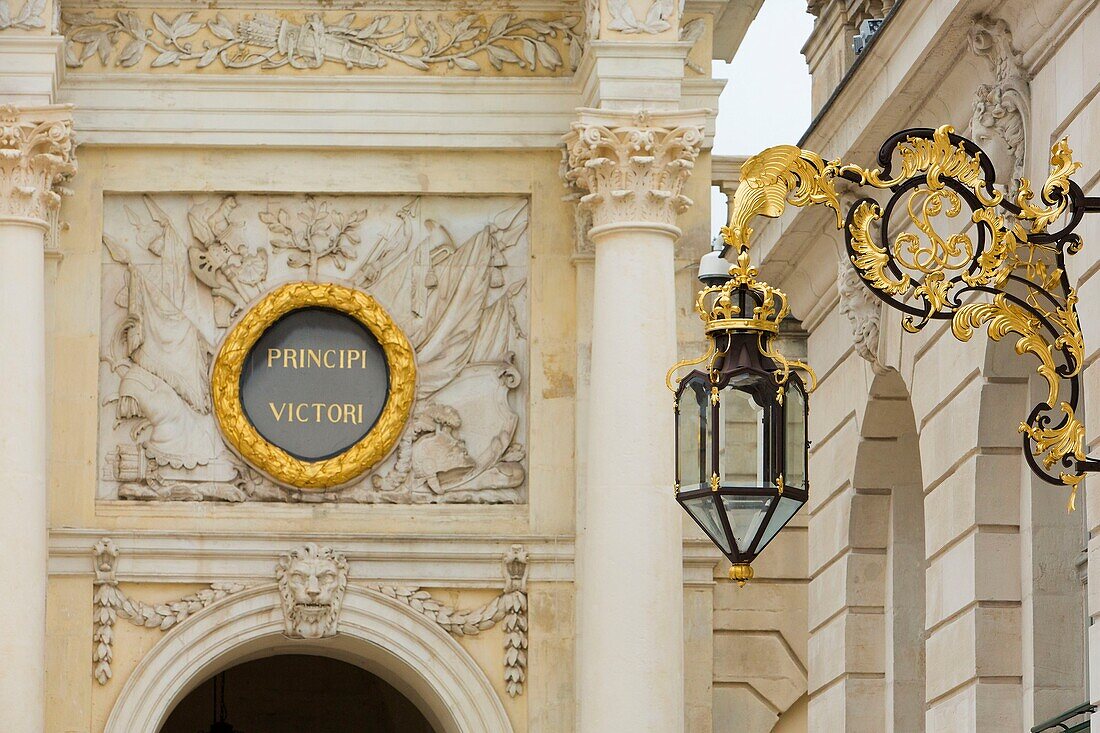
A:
[742, 573]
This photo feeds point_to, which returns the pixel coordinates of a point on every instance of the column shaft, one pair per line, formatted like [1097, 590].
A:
[631, 615]
[36, 154]
[23, 491]
[628, 170]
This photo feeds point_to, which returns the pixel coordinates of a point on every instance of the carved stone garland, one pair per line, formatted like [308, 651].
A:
[109, 603]
[312, 581]
[631, 168]
[36, 157]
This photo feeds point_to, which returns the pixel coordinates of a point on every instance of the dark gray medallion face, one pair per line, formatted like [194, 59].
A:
[315, 383]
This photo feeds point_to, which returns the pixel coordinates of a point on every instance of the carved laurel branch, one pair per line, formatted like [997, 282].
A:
[509, 608]
[656, 19]
[28, 18]
[356, 41]
[109, 602]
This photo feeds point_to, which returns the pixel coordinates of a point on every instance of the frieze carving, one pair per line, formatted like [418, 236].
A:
[631, 168]
[863, 310]
[471, 42]
[509, 608]
[1002, 110]
[312, 582]
[178, 270]
[109, 603]
[28, 18]
[657, 17]
[36, 158]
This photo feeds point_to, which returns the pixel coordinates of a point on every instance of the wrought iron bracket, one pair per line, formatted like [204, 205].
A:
[1001, 265]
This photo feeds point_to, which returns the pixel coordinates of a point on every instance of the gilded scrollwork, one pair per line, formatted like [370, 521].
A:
[958, 239]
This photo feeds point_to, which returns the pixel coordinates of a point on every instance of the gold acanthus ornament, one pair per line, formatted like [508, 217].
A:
[1011, 256]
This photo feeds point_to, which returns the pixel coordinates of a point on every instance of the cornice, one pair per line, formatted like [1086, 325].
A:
[455, 561]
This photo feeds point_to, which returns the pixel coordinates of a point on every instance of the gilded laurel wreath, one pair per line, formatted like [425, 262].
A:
[1001, 248]
[269, 458]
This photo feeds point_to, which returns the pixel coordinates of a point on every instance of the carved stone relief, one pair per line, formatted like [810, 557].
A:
[179, 269]
[28, 18]
[656, 18]
[1002, 110]
[229, 39]
[312, 581]
[863, 311]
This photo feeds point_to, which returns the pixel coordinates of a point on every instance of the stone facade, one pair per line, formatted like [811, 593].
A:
[524, 190]
[944, 593]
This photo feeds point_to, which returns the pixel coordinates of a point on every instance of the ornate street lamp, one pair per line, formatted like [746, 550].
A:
[741, 420]
[741, 448]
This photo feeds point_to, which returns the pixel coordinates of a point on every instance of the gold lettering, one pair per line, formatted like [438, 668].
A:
[318, 405]
[349, 414]
[360, 414]
[330, 417]
[298, 412]
[277, 413]
[353, 356]
[314, 357]
[290, 356]
[328, 353]
[272, 354]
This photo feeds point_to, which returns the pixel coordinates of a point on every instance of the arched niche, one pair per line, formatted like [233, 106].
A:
[376, 633]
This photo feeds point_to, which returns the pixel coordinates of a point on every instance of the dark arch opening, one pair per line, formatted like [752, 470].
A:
[294, 693]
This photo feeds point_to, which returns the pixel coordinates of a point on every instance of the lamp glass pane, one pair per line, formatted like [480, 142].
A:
[745, 514]
[786, 509]
[704, 511]
[795, 444]
[691, 427]
[741, 442]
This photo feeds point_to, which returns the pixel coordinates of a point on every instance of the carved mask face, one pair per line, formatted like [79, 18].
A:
[312, 583]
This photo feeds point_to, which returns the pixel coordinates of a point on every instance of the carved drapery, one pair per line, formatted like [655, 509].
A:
[178, 270]
[631, 168]
[36, 158]
[312, 581]
[1002, 110]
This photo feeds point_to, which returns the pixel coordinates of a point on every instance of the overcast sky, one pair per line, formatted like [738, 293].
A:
[767, 98]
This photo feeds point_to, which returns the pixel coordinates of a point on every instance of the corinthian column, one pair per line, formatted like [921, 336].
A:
[36, 155]
[629, 170]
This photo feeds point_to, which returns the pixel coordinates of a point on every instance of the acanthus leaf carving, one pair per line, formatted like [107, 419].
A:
[467, 42]
[1002, 110]
[37, 156]
[186, 267]
[631, 167]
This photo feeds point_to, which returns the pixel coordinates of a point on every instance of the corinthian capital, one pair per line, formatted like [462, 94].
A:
[36, 157]
[630, 168]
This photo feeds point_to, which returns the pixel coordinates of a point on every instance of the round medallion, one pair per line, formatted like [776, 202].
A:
[314, 384]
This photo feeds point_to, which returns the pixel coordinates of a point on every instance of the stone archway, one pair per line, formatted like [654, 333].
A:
[376, 633]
